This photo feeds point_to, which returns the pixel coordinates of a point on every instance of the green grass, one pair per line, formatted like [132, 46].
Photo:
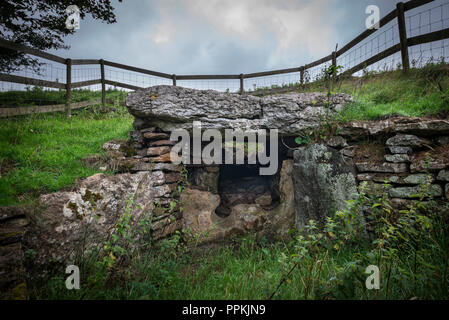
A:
[245, 270]
[38, 96]
[41, 153]
[418, 94]
[421, 92]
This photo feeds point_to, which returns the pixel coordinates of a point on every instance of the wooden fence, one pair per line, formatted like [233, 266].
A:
[398, 13]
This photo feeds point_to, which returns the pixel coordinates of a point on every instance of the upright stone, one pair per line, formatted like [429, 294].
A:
[323, 183]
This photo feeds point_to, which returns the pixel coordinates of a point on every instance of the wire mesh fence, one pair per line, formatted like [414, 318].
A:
[419, 21]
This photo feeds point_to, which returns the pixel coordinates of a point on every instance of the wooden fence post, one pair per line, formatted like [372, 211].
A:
[301, 77]
[103, 85]
[403, 36]
[242, 89]
[174, 79]
[68, 88]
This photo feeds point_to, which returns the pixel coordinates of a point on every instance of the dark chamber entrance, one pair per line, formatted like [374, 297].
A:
[242, 184]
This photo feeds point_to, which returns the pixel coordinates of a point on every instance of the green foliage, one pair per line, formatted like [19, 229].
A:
[320, 262]
[42, 153]
[37, 96]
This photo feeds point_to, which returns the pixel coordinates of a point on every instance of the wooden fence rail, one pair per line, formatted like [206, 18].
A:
[402, 46]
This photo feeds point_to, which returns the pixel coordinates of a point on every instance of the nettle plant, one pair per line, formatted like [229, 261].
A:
[408, 245]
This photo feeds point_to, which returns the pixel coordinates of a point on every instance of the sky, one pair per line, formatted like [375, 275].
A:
[222, 36]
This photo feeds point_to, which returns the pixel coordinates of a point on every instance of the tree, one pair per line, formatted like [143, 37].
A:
[41, 24]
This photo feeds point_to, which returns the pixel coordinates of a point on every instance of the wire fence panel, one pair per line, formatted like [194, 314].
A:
[382, 50]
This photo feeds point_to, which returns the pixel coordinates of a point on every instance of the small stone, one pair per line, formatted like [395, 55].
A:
[147, 130]
[425, 166]
[419, 179]
[160, 143]
[158, 178]
[400, 150]
[264, 200]
[383, 168]
[442, 141]
[348, 152]
[411, 192]
[142, 166]
[443, 175]
[166, 167]
[166, 158]
[397, 158]
[337, 142]
[114, 145]
[158, 151]
[415, 179]
[406, 140]
[155, 136]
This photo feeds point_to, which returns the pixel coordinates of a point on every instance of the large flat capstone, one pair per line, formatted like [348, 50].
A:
[171, 107]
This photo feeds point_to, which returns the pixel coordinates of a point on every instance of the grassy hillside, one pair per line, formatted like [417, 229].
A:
[41, 153]
[422, 92]
[37, 96]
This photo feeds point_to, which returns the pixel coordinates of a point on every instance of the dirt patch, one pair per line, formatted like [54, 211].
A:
[6, 166]
[437, 153]
[372, 152]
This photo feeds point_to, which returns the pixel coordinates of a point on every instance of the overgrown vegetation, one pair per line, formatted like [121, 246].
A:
[377, 95]
[410, 248]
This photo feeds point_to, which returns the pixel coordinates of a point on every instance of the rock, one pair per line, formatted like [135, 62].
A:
[264, 200]
[165, 158]
[336, 142]
[359, 129]
[158, 151]
[397, 158]
[12, 273]
[382, 168]
[88, 214]
[400, 150]
[167, 167]
[206, 178]
[446, 189]
[200, 220]
[348, 152]
[161, 143]
[174, 107]
[199, 216]
[423, 165]
[425, 127]
[9, 213]
[443, 175]
[407, 140]
[323, 183]
[281, 219]
[419, 179]
[155, 136]
[411, 192]
[114, 145]
[415, 179]
[142, 166]
[442, 141]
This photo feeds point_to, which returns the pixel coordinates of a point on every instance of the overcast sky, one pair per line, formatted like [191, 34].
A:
[222, 36]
